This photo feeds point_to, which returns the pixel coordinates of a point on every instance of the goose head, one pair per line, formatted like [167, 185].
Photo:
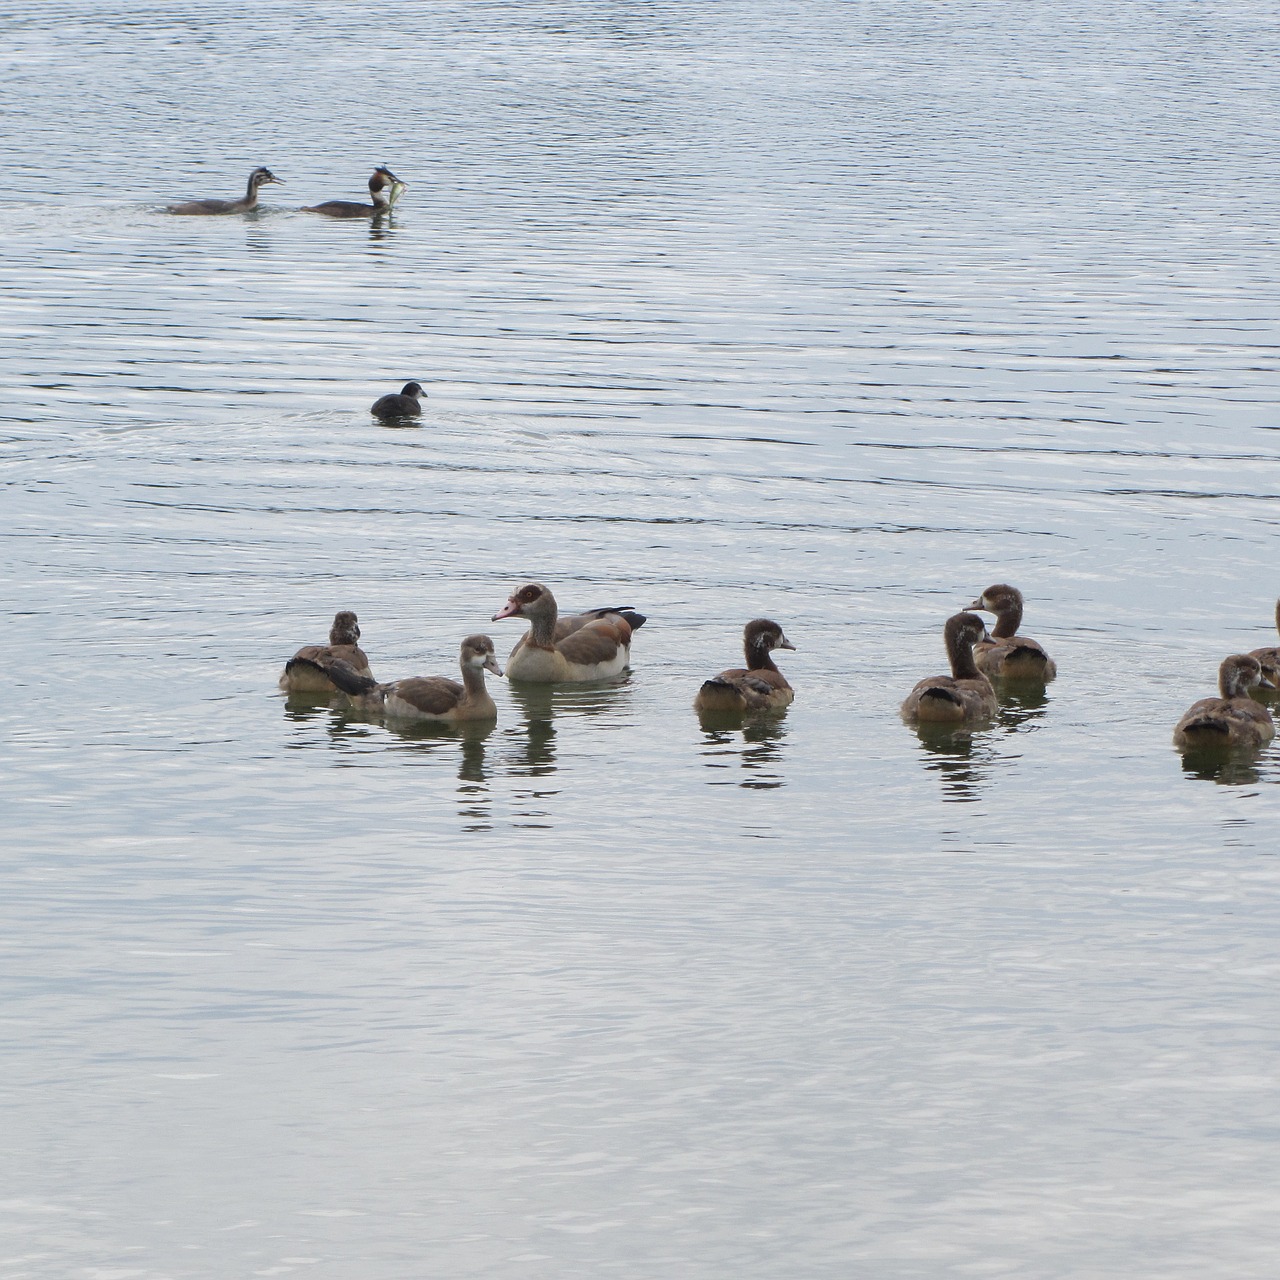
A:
[345, 629]
[478, 655]
[530, 601]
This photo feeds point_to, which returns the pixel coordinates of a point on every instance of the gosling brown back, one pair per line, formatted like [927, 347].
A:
[966, 695]
[759, 685]
[1233, 719]
[308, 670]
[1005, 654]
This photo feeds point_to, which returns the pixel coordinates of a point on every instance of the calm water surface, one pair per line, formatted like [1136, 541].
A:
[832, 312]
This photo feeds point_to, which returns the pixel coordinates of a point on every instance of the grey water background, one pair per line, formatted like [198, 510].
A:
[832, 312]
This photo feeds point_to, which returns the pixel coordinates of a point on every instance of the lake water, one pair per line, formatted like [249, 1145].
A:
[835, 313]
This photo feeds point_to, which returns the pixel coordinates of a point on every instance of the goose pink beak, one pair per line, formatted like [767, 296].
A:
[508, 610]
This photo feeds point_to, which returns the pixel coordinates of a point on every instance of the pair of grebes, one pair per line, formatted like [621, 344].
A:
[596, 645]
[384, 190]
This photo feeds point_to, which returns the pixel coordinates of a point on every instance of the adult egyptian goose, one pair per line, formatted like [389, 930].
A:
[596, 650]
[1234, 719]
[307, 670]
[428, 697]
[399, 404]
[258, 178]
[757, 687]
[1004, 654]
[966, 694]
[1269, 659]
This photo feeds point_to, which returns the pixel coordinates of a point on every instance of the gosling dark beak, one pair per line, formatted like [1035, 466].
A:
[1264, 683]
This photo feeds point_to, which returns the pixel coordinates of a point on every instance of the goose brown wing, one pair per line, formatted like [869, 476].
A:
[432, 695]
[567, 624]
[596, 642]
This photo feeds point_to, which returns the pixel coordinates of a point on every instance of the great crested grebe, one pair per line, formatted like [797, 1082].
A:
[307, 670]
[384, 189]
[258, 178]
[1234, 719]
[596, 650]
[399, 404]
[1004, 653]
[759, 685]
[966, 694]
[428, 697]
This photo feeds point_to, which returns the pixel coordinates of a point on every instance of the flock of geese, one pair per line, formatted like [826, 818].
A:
[596, 645]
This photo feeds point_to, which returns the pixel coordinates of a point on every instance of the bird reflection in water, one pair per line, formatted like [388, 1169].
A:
[1227, 766]
[1021, 702]
[754, 739]
[301, 708]
[962, 756]
[474, 797]
[529, 749]
[353, 727]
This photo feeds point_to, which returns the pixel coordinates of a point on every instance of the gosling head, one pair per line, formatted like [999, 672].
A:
[477, 652]
[762, 633]
[1238, 674]
[964, 630]
[345, 629]
[998, 599]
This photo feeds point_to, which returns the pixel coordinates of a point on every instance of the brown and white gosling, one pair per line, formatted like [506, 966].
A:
[428, 697]
[598, 648]
[759, 685]
[1269, 659]
[1004, 653]
[1234, 719]
[260, 177]
[399, 404]
[966, 694]
[307, 670]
